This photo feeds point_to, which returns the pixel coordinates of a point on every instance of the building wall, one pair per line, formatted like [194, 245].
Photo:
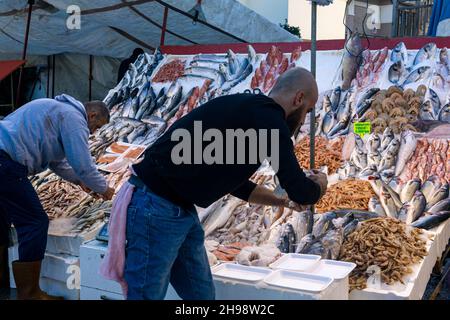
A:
[275, 11]
[379, 11]
[329, 19]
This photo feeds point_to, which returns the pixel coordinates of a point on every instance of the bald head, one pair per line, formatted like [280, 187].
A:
[296, 92]
[98, 114]
[296, 79]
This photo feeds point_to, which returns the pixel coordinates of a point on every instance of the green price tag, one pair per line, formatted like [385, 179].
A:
[362, 128]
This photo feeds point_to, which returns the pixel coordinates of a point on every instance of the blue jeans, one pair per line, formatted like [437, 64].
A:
[165, 243]
[20, 205]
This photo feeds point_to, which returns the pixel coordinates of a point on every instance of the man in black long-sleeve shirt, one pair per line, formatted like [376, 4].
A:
[195, 163]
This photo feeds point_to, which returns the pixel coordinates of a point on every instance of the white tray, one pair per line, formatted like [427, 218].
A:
[240, 272]
[298, 281]
[333, 269]
[295, 262]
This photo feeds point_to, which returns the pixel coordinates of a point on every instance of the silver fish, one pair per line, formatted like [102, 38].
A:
[287, 241]
[323, 224]
[373, 143]
[373, 158]
[326, 103]
[230, 84]
[137, 132]
[388, 203]
[332, 242]
[444, 114]
[443, 205]
[304, 243]
[426, 52]
[387, 162]
[359, 158]
[302, 223]
[399, 53]
[360, 144]
[435, 102]
[328, 122]
[251, 54]
[432, 220]
[233, 62]
[386, 138]
[343, 109]
[387, 175]
[396, 184]
[351, 60]
[407, 148]
[346, 171]
[368, 171]
[430, 187]
[335, 98]
[375, 206]
[396, 71]
[443, 57]
[217, 75]
[350, 227]
[174, 95]
[426, 111]
[440, 194]
[417, 75]
[392, 147]
[363, 107]
[409, 189]
[339, 127]
[416, 207]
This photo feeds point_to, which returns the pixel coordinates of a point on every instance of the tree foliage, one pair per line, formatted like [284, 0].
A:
[294, 30]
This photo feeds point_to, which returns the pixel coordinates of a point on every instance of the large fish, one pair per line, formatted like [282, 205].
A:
[425, 53]
[373, 143]
[388, 203]
[435, 102]
[387, 162]
[426, 111]
[417, 75]
[219, 214]
[323, 224]
[386, 138]
[409, 189]
[230, 84]
[359, 158]
[328, 122]
[304, 242]
[399, 53]
[335, 98]
[375, 206]
[416, 207]
[430, 187]
[444, 114]
[332, 242]
[370, 170]
[343, 109]
[407, 148]
[350, 227]
[433, 220]
[392, 147]
[351, 60]
[302, 222]
[443, 205]
[440, 194]
[205, 72]
[288, 240]
[173, 97]
[396, 71]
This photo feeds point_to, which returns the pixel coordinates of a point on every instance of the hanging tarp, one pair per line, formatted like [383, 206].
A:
[440, 19]
[115, 27]
[7, 67]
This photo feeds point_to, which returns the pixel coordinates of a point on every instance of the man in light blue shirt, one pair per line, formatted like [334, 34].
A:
[45, 133]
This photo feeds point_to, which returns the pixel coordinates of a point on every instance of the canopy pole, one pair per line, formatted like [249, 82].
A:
[164, 26]
[312, 129]
[53, 75]
[48, 76]
[24, 53]
[91, 62]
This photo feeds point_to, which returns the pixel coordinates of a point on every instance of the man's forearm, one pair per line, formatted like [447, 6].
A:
[265, 196]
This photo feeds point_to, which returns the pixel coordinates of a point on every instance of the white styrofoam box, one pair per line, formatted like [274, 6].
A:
[59, 288]
[54, 266]
[298, 281]
[87, 293]
[58, 266]
[240, 272]
[91, 256]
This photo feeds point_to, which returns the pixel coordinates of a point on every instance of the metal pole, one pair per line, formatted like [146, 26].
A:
[24, 53]
[312, 128]
[53, 75]
[394, 18]
[164, 26]
[48, 76]
[91, 62]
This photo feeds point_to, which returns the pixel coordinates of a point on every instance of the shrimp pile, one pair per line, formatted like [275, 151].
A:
[346, 194]
[327, 153]
[170, 71]
[384, 242]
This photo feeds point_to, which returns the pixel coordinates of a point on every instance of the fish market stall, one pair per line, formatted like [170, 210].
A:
[389, 184]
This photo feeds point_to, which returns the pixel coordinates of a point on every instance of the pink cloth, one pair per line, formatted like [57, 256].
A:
[113, 264]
